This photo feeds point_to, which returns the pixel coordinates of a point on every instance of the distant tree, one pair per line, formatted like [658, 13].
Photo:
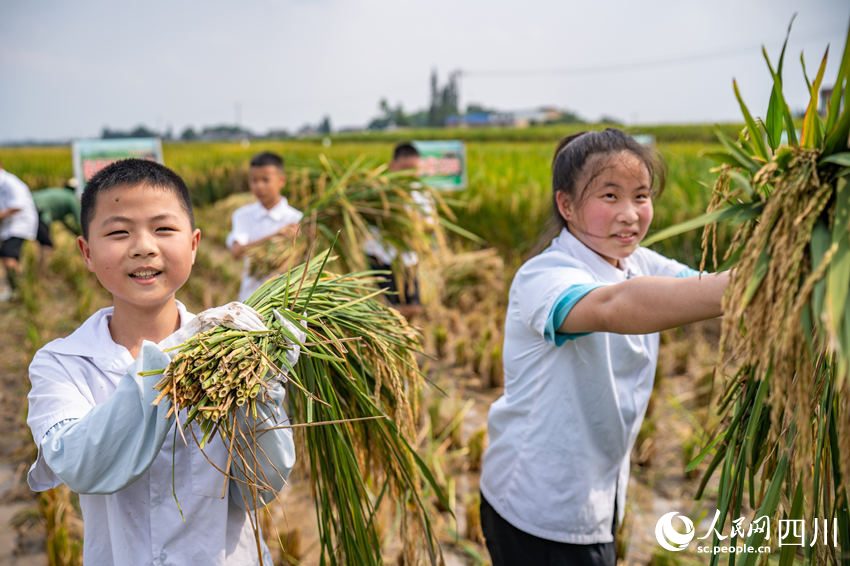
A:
[444, 101]
[567, 117]
[475, 108]
[224, 131]
[389, 117]
[139, 131]
[609, 120]
[325, 125]
[280, 134]
[189, 134]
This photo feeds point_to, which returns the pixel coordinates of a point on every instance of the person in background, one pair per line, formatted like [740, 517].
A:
[56, 204]
[18, 222]
[264, 219]
[580, 350]
[382, 254]
[146, 496]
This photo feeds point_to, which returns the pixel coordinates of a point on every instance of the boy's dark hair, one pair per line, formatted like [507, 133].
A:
[131, 172]
[267, 158]
[574, 152]
[405, 149]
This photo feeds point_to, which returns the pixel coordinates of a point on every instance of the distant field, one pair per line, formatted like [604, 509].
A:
[507, 203]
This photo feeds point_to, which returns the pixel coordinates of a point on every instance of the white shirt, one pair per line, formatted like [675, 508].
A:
[561, 434]
[252, 222]
[140, 524]
[14, 193]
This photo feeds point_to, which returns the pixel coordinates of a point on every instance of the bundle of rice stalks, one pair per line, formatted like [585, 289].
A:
[361, 203]
[472, 278]
[787, 317]
[281, 252]
[354, 382]
[470, 321]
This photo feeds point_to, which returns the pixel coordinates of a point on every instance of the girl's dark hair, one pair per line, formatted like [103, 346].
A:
[571, 160]
[129, 173]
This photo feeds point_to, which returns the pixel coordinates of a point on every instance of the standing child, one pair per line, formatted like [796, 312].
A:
[91, 412]
[260, 221]
[382, 254]
[18, 222]
[581, 344]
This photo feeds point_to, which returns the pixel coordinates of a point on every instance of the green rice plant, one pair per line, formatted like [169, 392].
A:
[784, 444]
[64, 545]
[356, 380]
[357, 203]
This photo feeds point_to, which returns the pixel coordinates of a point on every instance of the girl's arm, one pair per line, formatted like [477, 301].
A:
[647, 304]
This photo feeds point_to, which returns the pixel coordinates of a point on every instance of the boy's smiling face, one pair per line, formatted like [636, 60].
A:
[140, 244]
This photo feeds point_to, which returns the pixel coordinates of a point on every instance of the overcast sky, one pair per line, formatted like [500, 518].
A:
[68, 69]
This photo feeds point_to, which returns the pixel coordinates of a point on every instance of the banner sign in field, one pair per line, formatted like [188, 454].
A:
[90, 156]
[442, 164]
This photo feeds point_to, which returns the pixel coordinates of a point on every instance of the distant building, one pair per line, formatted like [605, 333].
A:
[825, 95]
[515, 119]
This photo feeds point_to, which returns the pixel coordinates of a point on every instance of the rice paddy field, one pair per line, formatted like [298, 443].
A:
[464, 290]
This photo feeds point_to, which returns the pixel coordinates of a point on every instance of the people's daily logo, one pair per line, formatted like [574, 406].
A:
[669, 537]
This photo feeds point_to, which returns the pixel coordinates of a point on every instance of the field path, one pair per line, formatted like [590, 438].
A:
[19, 546]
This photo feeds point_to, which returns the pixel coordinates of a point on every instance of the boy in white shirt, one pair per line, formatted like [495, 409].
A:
[91, 412]
[18, 222]
[381, 254]
[260, 221]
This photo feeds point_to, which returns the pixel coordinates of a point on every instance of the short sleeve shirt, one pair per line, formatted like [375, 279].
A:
[560, 436]
[14, 193]
[140, 524]
[252, 222]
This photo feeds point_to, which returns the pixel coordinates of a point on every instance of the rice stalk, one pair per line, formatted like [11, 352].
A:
[784, 441]
[356, 380]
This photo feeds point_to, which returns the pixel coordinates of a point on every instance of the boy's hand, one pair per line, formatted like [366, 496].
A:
[236, 315]
[293, 351]
[290, 230]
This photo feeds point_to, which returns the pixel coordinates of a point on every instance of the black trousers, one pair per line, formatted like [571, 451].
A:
[509, 546]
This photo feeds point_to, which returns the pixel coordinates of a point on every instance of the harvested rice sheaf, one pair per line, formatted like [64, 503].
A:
[352, 396]
[785, 441]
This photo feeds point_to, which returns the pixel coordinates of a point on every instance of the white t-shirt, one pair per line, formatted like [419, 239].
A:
[14, 193]
[252, 222]
[140, 524]
[561, 434]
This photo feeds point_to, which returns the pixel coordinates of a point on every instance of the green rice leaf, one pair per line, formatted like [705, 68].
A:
[778, 113]
[703, 453]
[721, 157]
[754, 418]
[786, 555]
[812, 135]
[734, 213]
[818, 245]
[762, 264]
[743, 160]
[838, 273]
[839, 87]
[842, 159]
[768, 507]
[756, 134]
